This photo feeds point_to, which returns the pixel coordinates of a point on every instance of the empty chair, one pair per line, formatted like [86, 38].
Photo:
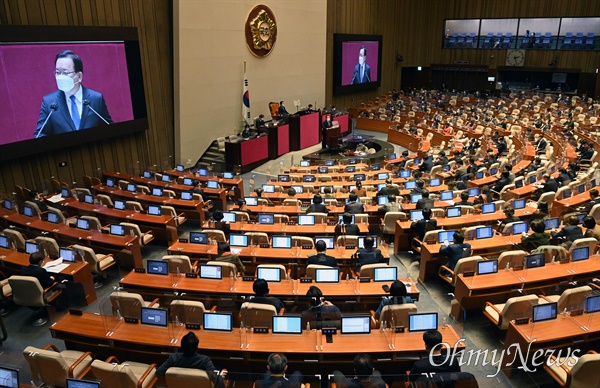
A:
[127, 304]
[49, 246]
[143, 189]
[169, 193]
[226, 268]
[94, 222]
[302, 241]
[187, 377]
[466, 264]
[180, 264]
[571, 299]
[572, 373]
[134, 205]
[320, 218]
[59, 215]
[292, 202]
[134, 230]
[122, 184]
[221, 144]
[215, 234]
[502, 313]
[389, 221]
[311, 269]
[187, 311]
[53, 367]
[126, 375]
[344, 241]
[257, 314]
[170, 211]
[431, 237]
[36, 209]
[511, 259]
[368, 270]
[99, 263]
[104, 200]
[397, 313]
[27, 291]
[241, 216]
[16, 238]
[78, 191]
[257, 238]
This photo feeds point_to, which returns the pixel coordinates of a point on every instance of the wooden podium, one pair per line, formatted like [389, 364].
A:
[332, 140]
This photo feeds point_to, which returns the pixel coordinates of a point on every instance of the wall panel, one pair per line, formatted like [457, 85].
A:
[154, 23]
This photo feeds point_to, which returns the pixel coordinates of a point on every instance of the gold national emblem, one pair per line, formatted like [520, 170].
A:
[261, 31]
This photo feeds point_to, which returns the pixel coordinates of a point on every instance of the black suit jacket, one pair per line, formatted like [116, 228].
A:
[425, 203]
[322, 259]
[549, 186]
[356, 76]
[370, 256]
[61, 122]
[422, 226]
[349, 230]
[354, 208]
[570, 232]
[317, 208]
[39, 273]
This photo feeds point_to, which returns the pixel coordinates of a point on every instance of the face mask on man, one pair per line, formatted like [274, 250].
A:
[361, 60]
[65, 83]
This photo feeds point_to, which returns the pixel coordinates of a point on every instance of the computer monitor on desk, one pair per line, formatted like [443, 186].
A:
[484, 232]
[287, 324]
[544, 312]
[422, 321]
[9, 377]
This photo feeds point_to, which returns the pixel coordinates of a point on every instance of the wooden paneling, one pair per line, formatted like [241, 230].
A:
[130, 153]
[415, 30]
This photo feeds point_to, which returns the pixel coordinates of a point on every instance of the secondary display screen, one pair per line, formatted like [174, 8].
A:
[357, 62]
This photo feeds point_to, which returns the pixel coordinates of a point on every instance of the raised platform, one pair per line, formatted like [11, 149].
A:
[383, 150]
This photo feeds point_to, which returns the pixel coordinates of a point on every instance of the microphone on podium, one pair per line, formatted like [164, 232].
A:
[53, 107]
[87, 103]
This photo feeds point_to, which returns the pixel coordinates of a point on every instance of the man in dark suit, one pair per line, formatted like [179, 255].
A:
[282, 111]
[368, 254]
[427, 164]
[435, 362]
[261, 290]
[34, 269]
[425, 202]
[353, 206]
[501, 146]
[362, 71]
[594, 200]
[324, 128]
[347, 227]
[420, 189]
[549, 184]
[464, 199]
[317, 205]
[540, 146]
[505, 180]
[419, 228]
[71, 108]
[321, 258]
[456, 251]
[388, 189]
[391, 206]
[259, 123]
[571, 232]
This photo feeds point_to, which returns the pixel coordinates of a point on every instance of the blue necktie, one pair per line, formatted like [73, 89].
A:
[75, 113]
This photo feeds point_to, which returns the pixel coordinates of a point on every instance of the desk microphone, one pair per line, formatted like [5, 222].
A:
[53, 107]
[87, 103]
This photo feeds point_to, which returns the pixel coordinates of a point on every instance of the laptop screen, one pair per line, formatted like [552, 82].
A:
[88, 198]
[157, 191]
[447, 235]
[518, 204]
[552, 223]
[453, 212]
[31, 247]
[268, 188]
[416, 215]
[110, 182]
[488, 208]
[212, 184]
[179, 168]
[592, 304]
[381, 186]
[68, 255]
[305, 163]
[329, 241]
[229, 217]
[493, 171]
[414, 198]
[474, 192]
[117, 230]
[270, 274]
[520, 227]
[544, 312]
[404, 173]
[410, 185]
[485, 267]
[154, 210]
[299, 189]
[283, 324]
[375, 167]
[5, 242]
[131, 188]
[210, 272]
[382, 200]
[119, 205]
[535, 261]
[446, 168]
[306, 220]
[435, 182]
[266, 219]
[28, 211]
[567, 194]
[188, 181]
[323, 170]
[7, 204]
[350, 168]
[154, 317]
[327, 275]
[186, 195]
[228, 175]
[238, 240]
[479, 175]
[532, 179]
[358, 324]
[308, 178]
[83, 224]
[53, 217]
[518, 183]
[330, 162]
[147, 174]
[198, 238]
[579, 254]
[283, 178]
[218, 321]
[361, 241]
[392, 156]
[282, 242]
[157, 267]
[251, 201]
[385, 274]
[166, 178]
[422, 321]
[446, 196]
[202, 172]
[65, 193]
[581, 188]
[383, 175]
[484, 232]
[9, 377]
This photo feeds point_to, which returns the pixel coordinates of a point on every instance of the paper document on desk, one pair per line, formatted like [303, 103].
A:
[57, 268]
[408, 286]
[53, 263]
[236, 251]
[450, 202]
[55, 198]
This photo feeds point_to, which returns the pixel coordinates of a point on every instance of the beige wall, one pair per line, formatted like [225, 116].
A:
[209, 51]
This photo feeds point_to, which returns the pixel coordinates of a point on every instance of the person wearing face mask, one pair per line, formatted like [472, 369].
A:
[362, 71]
[324, 127]
[72, 107]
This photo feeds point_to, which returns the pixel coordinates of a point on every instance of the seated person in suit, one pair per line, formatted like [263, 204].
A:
[368, 254]
[327, 192]
[321, 258]
[594, 200]
[275, 376]
[398, 295]
[404, 160]
[198, 190]
[330, 315]
[225, 255]
[246, 132]
[537, 164]
[509, 212]
[442, 159]
[35, 269]
[259, 123]
[358, 190]
[388, 189]
[365, 375]
[425, 202]
[505, 180]
[353, 206]
[291, 192]
[391, 206]
[563, 178]
[420, 227]
[261, 290]
[455, 251]
[547, 184]
[317, 205]
[35, 197]
[347, 227]
[426, 164]
[464, 199]
[190, 358]
[282, 111]
[541, 212]
[571, 232]
[219, 224]
[420, 187]
[460, 170]
[592, 228]
[501, 146]
[435, 362]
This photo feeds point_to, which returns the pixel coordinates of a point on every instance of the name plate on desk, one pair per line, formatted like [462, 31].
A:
[264, 245]
[329, 330]
[260, 330]
[192, 326]
[365, 279]
[565, 260]
[400, 329]
[131, 320]
[350, 247]
[75, 312]
[331, 223]
[183, 240]
[248, 278]
[306, 279]
[577, 312]
[291, 223]
[139, 270]
[307, 247]
[518, 268]
[191, 275]
[521, 321]
[468, 274]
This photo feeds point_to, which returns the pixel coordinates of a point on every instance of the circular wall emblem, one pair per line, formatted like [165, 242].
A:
[261, 31]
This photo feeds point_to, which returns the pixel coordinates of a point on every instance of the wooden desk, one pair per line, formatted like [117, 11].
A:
[193, 209]
[238, 183]
[293, 230]
[472, 292]
[106, 336]
[163, 227]
[12, 261]
[126, 249]
[569, 204]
